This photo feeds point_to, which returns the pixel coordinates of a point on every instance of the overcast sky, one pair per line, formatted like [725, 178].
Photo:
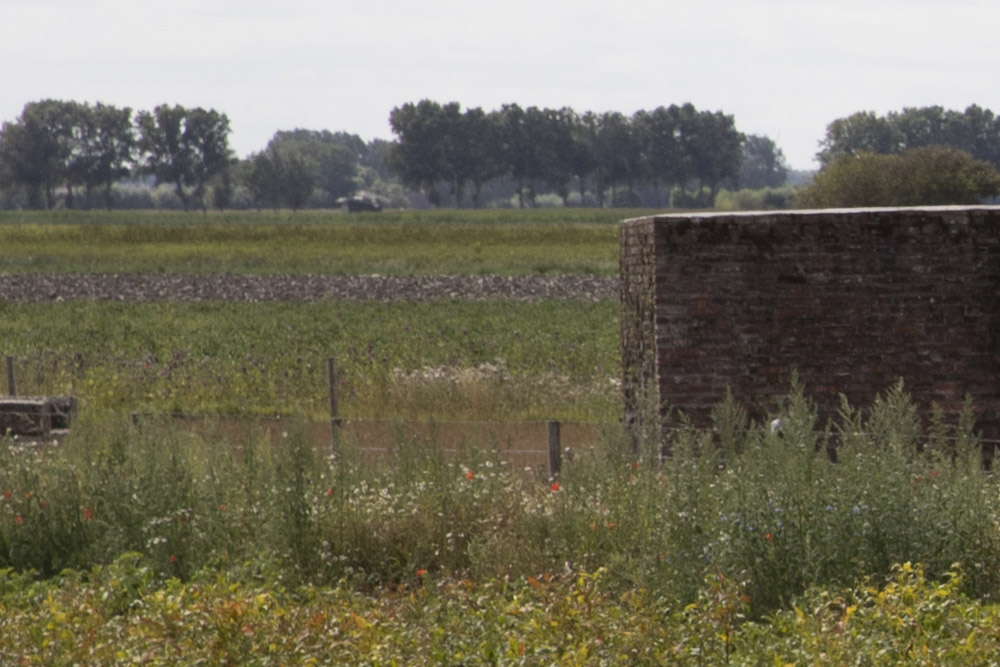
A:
[782, 68]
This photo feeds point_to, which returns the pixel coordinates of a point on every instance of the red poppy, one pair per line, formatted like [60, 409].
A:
[421, 572]
[554, 486]
[173, 558]
[470, 475]
[88, 514]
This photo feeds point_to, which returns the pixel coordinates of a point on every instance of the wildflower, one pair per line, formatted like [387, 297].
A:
[329, 491]
[19, 519]
[88, 514]
[554, 486]
[27, 496]
[173, 558]
[421, 572]
[470, 475]
[933, 473]
[7, 493]
[222, 507]
[767, 536]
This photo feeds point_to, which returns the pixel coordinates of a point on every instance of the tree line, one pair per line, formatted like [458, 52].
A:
[71, 145]
[71, 154]
[917, 156]
[449, 155]
[65, 152]
[677, 152]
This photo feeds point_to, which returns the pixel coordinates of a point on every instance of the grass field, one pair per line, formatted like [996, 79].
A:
[450, 361]
[162, 545]
[390, 243]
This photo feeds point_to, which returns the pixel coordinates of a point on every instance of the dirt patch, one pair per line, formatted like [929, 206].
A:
[256, 288]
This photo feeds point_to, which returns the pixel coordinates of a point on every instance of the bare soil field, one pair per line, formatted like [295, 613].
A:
[258, 288]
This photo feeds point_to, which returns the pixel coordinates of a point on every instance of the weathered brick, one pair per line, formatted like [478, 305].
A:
[851, 300]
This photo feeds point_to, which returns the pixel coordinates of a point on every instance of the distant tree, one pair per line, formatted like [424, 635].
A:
[184, 147]
[925, 176]
[552, 134]
[763, 164]
[862, 132]
[297, 176]
[484, 137]
[619, 154]
[223, 186]
[517, 154]
[335, 157]
[263, 178]
[417, 157]
[981, 133]
[375, 158]
[666, 163]
[109, 146]
[714, 148]
[37, 149]
[974, 130]
[583, 150]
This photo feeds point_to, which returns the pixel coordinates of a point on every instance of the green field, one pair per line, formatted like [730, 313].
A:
[159, 544]
[570, 241]
[464, 361]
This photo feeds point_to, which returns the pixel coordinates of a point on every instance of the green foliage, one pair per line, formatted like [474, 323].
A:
[759, 550]
[932, 175]
[763, 164]
[974, 131]
[185, 148]
[442, 146]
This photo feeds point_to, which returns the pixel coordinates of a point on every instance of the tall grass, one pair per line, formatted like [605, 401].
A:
[776, 518]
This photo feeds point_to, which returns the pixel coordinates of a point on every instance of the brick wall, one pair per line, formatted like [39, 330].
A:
[852, 300]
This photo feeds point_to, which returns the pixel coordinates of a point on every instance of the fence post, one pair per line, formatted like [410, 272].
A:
[335, 421]
[555, 450]
[11, 387]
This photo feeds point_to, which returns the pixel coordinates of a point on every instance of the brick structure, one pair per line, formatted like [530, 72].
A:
[851, 300]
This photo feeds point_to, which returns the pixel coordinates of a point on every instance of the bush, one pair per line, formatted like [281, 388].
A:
[926, 176]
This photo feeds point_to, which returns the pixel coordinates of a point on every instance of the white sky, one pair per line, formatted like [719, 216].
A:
[782, 68]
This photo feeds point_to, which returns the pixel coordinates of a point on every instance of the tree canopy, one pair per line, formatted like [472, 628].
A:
[70, 144]
[441, 149]
[923, 176]
[975, 131]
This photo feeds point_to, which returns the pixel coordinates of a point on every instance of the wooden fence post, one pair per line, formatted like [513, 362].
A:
[335, 421]
[555, 450]
[11, 387]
